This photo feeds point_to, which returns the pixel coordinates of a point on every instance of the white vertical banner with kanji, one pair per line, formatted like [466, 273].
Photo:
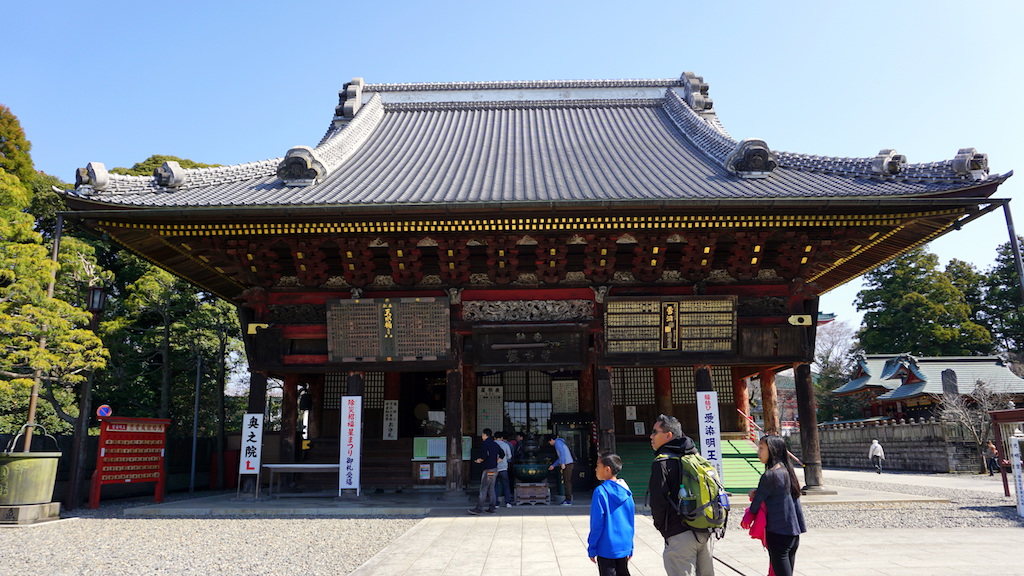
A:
[351, 442]
[1018, 474]
[390, 420]
[710, 429]
[252, 444]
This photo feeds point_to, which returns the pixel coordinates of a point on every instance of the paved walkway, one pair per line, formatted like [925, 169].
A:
[551, 540]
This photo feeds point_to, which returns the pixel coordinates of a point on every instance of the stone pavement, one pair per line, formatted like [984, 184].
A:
[551, 540]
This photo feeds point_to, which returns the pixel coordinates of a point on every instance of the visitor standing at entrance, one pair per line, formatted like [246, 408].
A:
[565, 461]
[612, 514]
[779, 491]
[687, 550]
[991, 458]
[876, 455]
[490, 452]
[503, 484]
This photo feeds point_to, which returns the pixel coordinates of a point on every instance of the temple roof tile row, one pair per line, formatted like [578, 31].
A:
[532, 142]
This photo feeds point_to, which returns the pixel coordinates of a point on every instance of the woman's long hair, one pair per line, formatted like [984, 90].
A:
[779, 454]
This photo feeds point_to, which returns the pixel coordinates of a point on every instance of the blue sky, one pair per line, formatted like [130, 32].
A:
[228, 82]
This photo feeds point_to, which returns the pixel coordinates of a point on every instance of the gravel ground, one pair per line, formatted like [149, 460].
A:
[103, 542]
[965, 509]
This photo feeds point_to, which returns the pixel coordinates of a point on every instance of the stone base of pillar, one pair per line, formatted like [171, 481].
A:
[818, 491]
[454, 496]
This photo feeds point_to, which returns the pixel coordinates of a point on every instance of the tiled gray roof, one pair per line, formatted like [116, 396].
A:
[883, 371]
[432, 143]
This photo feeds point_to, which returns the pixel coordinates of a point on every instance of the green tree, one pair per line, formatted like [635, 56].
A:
[43, 337]
[911, 306]
[1003, 302]
[15, 159]
[147, 166]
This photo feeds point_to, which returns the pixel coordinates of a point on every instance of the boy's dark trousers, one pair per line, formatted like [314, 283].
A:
[612, 566]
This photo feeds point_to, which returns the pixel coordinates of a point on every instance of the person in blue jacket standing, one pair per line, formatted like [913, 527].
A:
[565, 462]
[610, 544]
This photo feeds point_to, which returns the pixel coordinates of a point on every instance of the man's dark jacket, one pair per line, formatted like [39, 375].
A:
[664, 486]
[490, 452]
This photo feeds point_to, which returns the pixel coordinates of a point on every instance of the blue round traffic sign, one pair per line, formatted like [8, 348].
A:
[104, 411]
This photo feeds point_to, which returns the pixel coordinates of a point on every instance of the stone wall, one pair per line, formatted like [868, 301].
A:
[913, 446]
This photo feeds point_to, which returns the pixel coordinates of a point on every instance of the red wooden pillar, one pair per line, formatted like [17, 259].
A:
[663, 391]
[769, 401]
[742, 397]
[289, 417]
[586, 390]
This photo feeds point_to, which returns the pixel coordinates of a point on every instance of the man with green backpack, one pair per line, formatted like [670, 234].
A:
[686, 523]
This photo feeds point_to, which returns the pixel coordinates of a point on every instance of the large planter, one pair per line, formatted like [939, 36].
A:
[27, 477]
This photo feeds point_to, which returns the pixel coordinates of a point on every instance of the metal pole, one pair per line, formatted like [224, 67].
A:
[195, 423]
[1015, 246]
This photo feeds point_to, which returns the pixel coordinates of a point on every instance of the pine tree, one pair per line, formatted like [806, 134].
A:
[911, 306]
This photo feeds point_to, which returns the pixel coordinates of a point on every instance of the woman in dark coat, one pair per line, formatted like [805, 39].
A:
[779, 490]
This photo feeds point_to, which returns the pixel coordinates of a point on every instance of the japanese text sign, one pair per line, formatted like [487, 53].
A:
[710, 429]
[252, 444]
[351, 442]
[130, 450]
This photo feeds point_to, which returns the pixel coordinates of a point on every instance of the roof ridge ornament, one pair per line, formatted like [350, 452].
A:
[300, 167]
[969, 163]
[695, 92]
[751, 158]
[170, 175]
[888, 162]
[350, 100]
[94, 174]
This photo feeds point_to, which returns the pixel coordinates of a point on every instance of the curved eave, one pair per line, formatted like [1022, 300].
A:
[82, 207]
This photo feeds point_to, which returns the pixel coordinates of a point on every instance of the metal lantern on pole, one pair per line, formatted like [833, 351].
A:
[96, 301]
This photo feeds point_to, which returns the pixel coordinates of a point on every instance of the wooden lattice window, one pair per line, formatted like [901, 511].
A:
[527, 398]
[684, 385]
[373, 390]
[632, 386]
[336, 386]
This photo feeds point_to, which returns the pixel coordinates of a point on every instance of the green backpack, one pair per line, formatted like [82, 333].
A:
[703, 502]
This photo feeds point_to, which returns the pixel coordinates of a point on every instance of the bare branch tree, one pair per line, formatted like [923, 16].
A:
[970, 412]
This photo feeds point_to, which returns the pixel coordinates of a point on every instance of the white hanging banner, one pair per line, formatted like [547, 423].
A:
[390, 420]
[252, 444]
[351, 442]
[710, 429]
[1018, 478]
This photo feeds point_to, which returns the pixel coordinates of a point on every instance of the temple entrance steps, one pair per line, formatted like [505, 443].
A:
[636, 465]
[740, 467]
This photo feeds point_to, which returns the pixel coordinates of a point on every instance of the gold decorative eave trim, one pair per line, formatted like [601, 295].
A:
[569, 224]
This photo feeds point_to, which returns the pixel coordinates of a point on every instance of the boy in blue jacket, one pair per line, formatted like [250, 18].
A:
[610, 544]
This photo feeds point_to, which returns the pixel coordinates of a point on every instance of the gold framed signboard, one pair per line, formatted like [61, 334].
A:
[388, 329]
[670, 325]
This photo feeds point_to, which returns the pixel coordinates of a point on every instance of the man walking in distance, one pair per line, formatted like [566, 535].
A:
[876, 454]
[687, 550]
[490, 452]
[564, 461]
